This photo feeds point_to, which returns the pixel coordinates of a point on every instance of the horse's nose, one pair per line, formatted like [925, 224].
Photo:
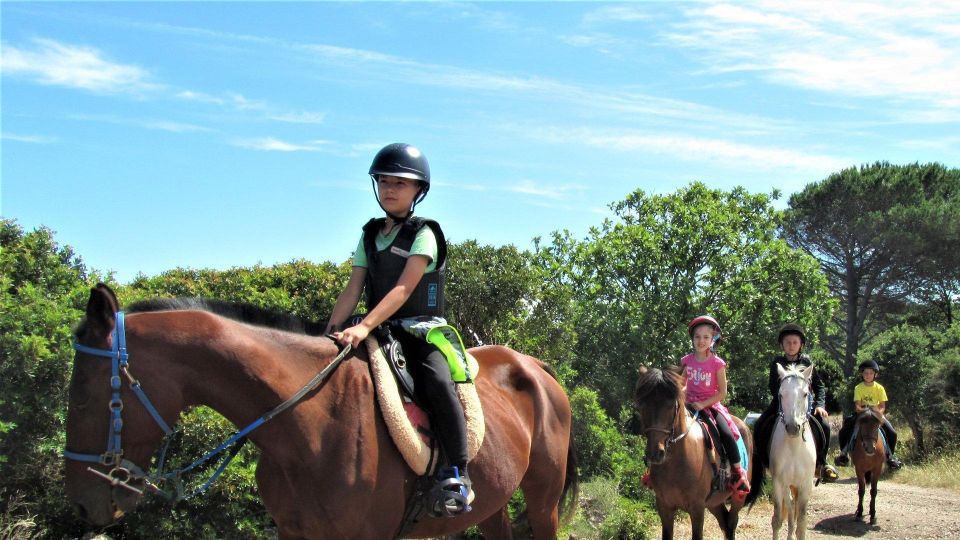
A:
[656, 457]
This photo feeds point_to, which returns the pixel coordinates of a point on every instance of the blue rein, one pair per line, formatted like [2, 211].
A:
[125, 471]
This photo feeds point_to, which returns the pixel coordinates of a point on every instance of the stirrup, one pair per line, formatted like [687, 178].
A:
[452, 494]
[842, 460]
[829, 473]
[894, 463]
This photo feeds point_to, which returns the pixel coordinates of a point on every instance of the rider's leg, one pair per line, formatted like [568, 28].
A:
[739, 480]
[891, 436]
[844, 437]
[436, 388]
[762, 430]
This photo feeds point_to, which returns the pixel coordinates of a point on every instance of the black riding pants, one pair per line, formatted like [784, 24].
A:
[846, 430]
[436, 389]
[726, 435]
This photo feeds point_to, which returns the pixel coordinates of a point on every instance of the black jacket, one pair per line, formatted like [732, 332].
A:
[816, 384]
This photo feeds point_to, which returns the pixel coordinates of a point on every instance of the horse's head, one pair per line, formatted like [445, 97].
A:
[659, 399]
[794, 391]
[868, 429]
[102, 464]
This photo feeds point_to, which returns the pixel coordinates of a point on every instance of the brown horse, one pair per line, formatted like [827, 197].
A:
[328, 468]
[681, 470]
[868, 458]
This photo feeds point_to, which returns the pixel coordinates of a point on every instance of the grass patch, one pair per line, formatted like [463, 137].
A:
[604, 514]
[939, 470]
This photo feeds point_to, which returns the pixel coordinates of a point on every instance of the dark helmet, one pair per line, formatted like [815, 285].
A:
[703, 319]
[404, 161]
[870, 364]
[792, 329]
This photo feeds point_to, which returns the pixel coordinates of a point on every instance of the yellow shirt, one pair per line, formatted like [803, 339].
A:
[870, 396]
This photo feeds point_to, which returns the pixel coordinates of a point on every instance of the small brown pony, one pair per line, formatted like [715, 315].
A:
[681, 470]
[328, 468]
[868, 457]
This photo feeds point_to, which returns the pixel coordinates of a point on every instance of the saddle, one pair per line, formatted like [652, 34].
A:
[711, 443]
[407, 423]
[721, 466]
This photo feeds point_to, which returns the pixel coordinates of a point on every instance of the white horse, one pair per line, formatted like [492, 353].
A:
[793, 454]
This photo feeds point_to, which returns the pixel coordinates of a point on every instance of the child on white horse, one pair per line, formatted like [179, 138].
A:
[707, 388]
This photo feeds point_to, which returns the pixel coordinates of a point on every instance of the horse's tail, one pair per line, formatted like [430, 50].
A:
[571, 485]
[571, 482]
[756, 479]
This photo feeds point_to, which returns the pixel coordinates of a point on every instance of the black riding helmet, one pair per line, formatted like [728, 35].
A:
[871, 364]
[404, 161]
[792, 329]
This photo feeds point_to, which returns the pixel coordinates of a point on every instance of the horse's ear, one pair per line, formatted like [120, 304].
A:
[808, 373]
[781, 372]
[101, 311]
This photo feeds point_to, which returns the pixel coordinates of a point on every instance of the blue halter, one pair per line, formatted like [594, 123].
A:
[123, 470]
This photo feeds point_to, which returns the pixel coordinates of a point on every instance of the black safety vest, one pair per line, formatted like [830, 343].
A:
[384, 268]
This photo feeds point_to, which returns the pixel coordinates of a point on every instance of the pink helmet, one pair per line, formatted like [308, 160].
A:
[703, 319]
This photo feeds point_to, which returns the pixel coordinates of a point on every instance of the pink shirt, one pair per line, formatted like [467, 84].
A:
[702, 384]
[702, 376]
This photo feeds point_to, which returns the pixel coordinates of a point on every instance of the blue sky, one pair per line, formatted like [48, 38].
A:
[151, 136]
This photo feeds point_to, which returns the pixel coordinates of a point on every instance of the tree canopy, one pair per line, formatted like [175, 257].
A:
[882, 233]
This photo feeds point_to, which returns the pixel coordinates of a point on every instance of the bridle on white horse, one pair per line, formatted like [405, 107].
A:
[806, 416]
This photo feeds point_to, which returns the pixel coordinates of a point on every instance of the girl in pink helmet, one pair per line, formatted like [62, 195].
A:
[707, 388]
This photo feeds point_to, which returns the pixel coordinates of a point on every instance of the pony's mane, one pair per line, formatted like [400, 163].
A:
[237, 311]
[659, 385]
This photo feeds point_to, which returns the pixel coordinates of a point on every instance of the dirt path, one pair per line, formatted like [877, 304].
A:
[904, 512]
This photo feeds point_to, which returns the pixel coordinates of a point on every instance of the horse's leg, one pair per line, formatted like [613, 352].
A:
[497, 526]
[696, 523]
[800, 503]
[724, 518]
[776, 520]
[861, 488]
[874, 479]
[667, 514]
[542, 487]
[792, 513]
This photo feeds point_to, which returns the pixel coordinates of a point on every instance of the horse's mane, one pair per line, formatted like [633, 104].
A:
[237, 311]
[659, 384]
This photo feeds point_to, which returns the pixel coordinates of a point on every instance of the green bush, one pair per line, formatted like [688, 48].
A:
[602, 447]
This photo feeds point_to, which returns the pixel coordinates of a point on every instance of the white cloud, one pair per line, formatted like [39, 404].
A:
[624, 13]
[299, 117]
[173, 127]
[53, 63]
[35, 139]
[900, 51]
[554, 192]
[270, 144]
[686, 148]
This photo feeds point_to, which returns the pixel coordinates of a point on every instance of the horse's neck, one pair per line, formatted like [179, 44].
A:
[244, 371]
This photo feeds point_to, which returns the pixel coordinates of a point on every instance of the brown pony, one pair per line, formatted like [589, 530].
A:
[868, 457]
[681, 472]
[328, 468]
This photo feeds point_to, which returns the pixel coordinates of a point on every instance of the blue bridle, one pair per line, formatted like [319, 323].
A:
[125, 471]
